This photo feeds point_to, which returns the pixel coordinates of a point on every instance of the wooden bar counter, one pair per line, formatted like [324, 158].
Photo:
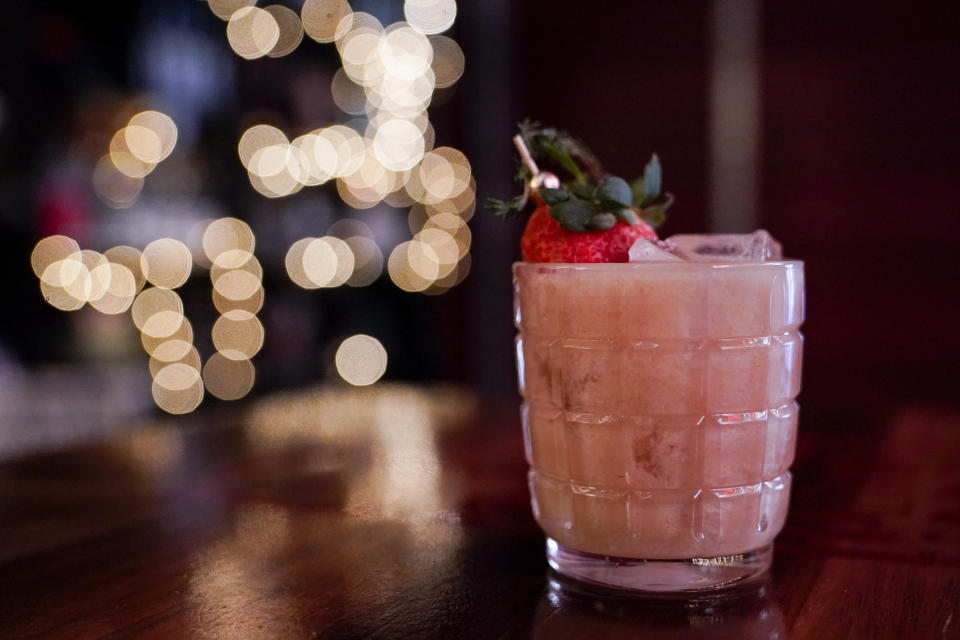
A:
[403, 512]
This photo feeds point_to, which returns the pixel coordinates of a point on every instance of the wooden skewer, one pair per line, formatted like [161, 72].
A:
[525, 154]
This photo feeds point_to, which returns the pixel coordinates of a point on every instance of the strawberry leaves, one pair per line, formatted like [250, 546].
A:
[646, 193]
[590, 200]
[507, 208]
[614, 191]
[554, 196]
[581, 207]
[574, 214]
[646, 189]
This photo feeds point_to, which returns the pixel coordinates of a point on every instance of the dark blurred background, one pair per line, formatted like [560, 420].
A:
[832, 125]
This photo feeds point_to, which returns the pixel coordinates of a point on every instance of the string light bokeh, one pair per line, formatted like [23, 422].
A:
[382, 153]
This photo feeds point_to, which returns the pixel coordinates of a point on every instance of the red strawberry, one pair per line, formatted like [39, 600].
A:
[544, 240]
[593, 217]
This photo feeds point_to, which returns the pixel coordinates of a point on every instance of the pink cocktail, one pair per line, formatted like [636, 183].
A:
[659, 415]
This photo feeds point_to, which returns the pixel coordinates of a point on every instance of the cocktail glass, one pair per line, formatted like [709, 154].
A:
[659, 416]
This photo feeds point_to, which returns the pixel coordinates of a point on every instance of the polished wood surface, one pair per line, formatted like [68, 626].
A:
[403, 512]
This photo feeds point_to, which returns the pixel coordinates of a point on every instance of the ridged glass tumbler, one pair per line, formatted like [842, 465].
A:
[659, 416]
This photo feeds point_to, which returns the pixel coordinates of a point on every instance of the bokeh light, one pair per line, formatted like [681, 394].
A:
[398, 145]
[166, 263]
[177, 388]
[448, 61]
[314, 159]
[143, 143]
[157, 312]
[237, 284]
[413, 266]
[52, 249]
[252, 32]
[174, 352]
[256, 138]
[444, 246]
[115, 188]
[238, 335]
[228, 379]
[223, 9]
[124, 158]
[295, 268]
[430, 16]
[153, 136]
[384, 154]
[348, 227]
[368, 261]
[455, 226]
[66, 284]
[252, 304]
[128, 257]
[361, 360]
[322, 19]
[119, 290]
[291, 30]
[236, 259]
[183, 333]
[328, 262]
[347, 94]
[224, 236]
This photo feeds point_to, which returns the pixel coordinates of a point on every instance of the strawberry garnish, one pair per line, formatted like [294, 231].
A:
[545, 240]
[593, 217]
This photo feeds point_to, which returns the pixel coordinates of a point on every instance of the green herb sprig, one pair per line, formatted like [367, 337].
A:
[589, 200]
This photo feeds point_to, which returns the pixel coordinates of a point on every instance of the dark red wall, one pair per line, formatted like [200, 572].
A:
[860, 172]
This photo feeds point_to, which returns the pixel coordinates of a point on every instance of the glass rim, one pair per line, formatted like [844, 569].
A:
[585, 266]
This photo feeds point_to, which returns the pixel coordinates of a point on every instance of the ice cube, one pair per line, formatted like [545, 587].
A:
[727, 247]
[644, 250]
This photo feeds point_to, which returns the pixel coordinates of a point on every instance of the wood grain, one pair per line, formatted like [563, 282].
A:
[416, 523]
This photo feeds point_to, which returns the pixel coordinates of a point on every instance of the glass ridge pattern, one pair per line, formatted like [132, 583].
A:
[659, 412]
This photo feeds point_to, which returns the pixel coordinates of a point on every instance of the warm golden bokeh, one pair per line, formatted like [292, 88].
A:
[52, 249]
[153, 301]
[189, 357]
[361, 360]
[128, 257]
[237, 285]
[228, 379]
[223, 9]
[368, 261]
[66, 284]
[328, 262]
[172, 350]
[430, 16]
[151, 136]
[253, 304]
[291, 30]
[166, 263]
[177, 388]
[125, 159]
[115, 188]
[258, 137]
[184, 333]
[226, 235]
[413, 266]
[385, 154]
[322, 19]
[295, 268]
[252, 32]
[448, 61]
[238, 335]
[120, 290]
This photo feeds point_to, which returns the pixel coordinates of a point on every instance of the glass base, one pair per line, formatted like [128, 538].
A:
[691, 575]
